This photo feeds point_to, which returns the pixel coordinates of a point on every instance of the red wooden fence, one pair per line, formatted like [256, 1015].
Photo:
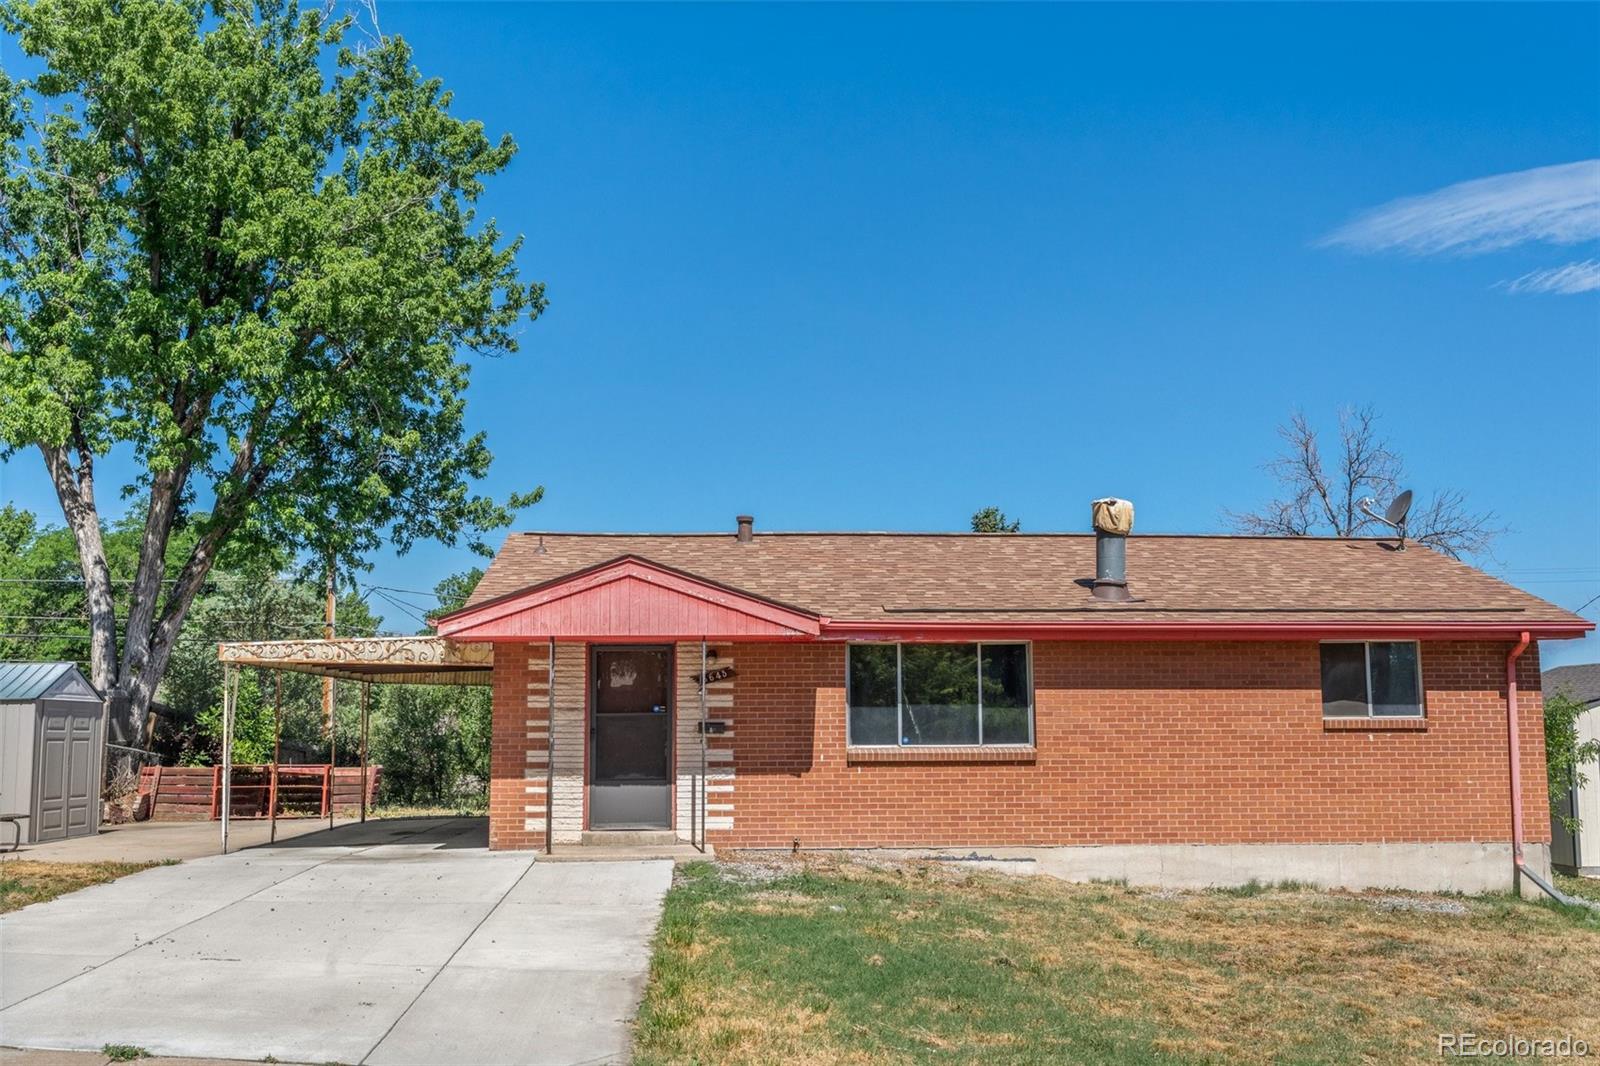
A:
[194, 793]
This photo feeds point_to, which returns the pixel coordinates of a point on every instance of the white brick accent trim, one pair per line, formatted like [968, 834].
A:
[719, 754]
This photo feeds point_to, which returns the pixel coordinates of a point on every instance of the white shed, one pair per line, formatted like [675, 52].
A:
[1578, 852]
[51, 751]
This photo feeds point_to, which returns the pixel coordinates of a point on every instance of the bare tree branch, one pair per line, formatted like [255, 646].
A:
[1446, 525]
[1313, 503]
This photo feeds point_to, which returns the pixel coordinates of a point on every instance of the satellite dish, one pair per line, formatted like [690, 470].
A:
[1394, 516]
[1397, 511]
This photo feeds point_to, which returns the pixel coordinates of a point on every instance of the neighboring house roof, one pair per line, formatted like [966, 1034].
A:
[901, 579]
[1582, 681]
[21, 682]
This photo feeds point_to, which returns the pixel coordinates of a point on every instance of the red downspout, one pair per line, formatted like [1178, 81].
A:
[1519, 864]
[1516, 748]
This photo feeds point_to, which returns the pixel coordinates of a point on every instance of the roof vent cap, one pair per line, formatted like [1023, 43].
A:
[747, 526]
[1111, 515]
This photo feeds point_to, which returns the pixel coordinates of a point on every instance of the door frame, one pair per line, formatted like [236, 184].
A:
[591, 682]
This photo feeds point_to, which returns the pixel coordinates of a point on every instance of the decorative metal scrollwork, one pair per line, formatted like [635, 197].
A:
[355, 651]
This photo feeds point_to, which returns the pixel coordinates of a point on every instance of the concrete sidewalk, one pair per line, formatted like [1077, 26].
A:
[401, 941]
[25, 1057]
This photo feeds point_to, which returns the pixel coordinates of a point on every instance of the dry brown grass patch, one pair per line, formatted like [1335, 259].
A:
[25, 881]
[826, 960]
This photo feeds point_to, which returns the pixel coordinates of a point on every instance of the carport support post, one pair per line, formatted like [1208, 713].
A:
[550, 753]
[277, 750]
[704, 791]
[366, 693]
[333, 750]
[230, 696]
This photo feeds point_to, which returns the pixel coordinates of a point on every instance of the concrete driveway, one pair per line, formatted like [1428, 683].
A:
[396, 942]
[159, 841]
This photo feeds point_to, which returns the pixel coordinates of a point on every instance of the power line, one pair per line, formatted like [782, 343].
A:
[1557, 580]
[47, 617]
[70, 581]
[416, 609]
[1543, 569]
[45, 636]
[1549, 569]
[314, 623]
[185, 636]
[408, 610]
[408, 592]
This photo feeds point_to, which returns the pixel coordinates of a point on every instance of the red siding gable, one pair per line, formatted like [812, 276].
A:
[629, 599]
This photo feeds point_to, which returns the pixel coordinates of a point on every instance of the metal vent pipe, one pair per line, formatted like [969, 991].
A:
[1113, 521]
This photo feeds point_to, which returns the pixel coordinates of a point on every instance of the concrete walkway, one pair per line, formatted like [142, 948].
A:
[402, 941]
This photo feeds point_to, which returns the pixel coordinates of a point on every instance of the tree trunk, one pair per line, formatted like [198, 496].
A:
[75, 490]
[159, 638]
[129, 687]
[147, 582]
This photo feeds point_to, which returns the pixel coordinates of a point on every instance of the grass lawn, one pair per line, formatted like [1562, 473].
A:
[400, 810]
[829, 961]
[23, 881]
[1582, 887]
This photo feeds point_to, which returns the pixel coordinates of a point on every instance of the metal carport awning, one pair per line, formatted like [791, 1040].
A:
[375, 660]
[369, 660]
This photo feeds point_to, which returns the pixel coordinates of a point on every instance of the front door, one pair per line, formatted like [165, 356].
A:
[630, 731]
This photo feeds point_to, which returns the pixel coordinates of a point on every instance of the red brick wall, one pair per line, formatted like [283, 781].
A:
[1136, 743]
[1145, 743]
[511, 790]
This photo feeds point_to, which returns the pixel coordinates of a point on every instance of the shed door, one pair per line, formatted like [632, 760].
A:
[66, 776]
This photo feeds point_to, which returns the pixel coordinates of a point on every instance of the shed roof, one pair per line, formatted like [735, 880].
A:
[922, 578]
[21, 682]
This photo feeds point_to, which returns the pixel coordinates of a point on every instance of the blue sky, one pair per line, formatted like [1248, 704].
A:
[877, 267]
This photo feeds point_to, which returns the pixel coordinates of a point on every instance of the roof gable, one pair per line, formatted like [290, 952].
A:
[628, 598]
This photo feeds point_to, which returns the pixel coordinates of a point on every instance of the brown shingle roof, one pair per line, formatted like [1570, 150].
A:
[1044, 577]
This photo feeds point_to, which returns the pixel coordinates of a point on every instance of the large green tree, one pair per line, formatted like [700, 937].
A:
[246, 251]
[255, 601]
[43, 611]
[994, 520]
[433, 740]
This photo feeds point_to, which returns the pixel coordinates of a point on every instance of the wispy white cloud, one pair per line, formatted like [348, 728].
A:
[1565, 280]
[1557, 204]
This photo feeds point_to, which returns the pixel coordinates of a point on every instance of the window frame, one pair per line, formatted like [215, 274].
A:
[1366, 651]
[900, 698]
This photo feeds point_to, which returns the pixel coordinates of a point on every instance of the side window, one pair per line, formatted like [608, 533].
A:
[1371, 679]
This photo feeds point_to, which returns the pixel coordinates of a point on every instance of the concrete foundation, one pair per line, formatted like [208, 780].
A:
[1466, 868]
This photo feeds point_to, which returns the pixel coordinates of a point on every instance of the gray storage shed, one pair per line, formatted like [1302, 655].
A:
[50, 751]
[1578, 853]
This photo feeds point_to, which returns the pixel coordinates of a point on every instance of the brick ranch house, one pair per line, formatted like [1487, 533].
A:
[1327, 710]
